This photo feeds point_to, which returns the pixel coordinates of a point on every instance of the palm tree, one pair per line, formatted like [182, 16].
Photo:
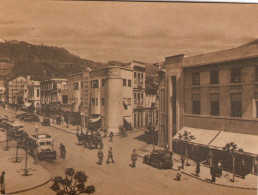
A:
[186, 137]
[73, 183]
[231, 149]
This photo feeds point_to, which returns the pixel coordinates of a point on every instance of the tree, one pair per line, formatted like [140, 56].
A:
[72, 184]
[19, 137]
[186, 138]
[231, 149]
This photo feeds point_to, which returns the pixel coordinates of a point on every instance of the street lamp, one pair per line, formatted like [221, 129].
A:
[36, 155]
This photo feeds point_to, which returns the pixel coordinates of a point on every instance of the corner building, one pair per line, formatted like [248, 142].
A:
[213, 96]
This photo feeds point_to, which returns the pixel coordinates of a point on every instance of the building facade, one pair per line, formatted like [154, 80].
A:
[33, 88]
[15, 86]
[51, 95]
[214, 97]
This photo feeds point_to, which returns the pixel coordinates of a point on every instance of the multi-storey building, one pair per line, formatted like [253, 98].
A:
[2, 92]
[15, 86]
[214, 97]
[33, 88]
[138, 93]
[51, 93]
[151, 110]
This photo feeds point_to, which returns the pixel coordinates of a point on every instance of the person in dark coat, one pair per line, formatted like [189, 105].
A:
[242, 168]
[100, 156]
[134, 158]
[198, 166]
[110, 155]
[2, 183]
[62, 151]
[213, 173]
[183, 162]
[111, 136]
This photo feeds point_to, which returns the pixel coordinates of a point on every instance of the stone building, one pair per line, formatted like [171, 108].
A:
[214, 97]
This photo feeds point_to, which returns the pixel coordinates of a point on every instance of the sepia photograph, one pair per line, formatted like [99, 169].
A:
[128, 97]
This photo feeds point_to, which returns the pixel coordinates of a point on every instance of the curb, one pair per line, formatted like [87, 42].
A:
[217, 183]
[31, 188]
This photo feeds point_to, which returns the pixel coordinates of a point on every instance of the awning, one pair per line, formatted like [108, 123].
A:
[202, 136]
[27, 104]
[249, 143]
[94, 120]
[128, 119]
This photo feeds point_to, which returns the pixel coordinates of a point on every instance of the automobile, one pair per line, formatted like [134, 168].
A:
[162, 159]
[3, 120]
[45, 122]
[26, 115]
[31, 118]
[22, 114]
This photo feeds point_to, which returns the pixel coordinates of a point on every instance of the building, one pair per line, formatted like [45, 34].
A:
[213, 96]
[139, 93]
[51, 92]
[33, 88]
[16, 86]
[2, 92]
[151, 110]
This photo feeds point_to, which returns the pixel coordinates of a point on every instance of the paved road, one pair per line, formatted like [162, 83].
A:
[119, 178]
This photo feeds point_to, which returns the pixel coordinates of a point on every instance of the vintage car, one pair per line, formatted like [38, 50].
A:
[25, 115]
[3, 119]
[162, 159]
[45, 122]
[31, 118]
[21, 115]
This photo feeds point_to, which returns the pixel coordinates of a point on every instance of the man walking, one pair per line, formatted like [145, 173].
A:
[183, 162]
[2, 183]
[197, 170]
[100, 156]
[110, 155]
[111, 136]
[62, 151]
[242, 167]
[134, 158]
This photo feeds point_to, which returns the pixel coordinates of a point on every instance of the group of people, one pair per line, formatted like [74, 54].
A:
[110, 157]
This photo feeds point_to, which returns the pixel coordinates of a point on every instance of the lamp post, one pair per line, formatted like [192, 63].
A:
[36, 155]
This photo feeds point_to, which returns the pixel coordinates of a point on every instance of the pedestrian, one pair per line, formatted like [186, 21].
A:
[242, 167]
[134, 158]
[183, 162]
[100, 156]
[62, 151]
[213, 173]
[198, 166]
[111, 136]
[2, 183]
[220, 168]
[110, 155]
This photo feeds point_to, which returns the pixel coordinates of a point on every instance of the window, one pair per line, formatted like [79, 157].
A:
[139, 98]
[139, 77]
[81, 85]
[214, 77]
[129, 83]
[102, 101]
[135, 77]
[236, 104]
[97, 101]
[214, 103]
[65, 99]
[103, 82]
[196, 78]
[142, 76]
[75, 86]
[236, 75]
[125, 105]
[135, 118]
[124, 82]
[95, 84]
[37, 92]
[196, 104]
[93, 101]
[55, 86]
[135, 98]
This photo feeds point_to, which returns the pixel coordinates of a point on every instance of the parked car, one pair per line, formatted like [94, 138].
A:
[22, 114]
[45, 122]
[162, 159]
[31, 118]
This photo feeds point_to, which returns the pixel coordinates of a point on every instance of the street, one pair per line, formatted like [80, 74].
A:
[118, 177]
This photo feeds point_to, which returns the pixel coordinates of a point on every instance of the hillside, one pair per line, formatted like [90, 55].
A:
[42, 62]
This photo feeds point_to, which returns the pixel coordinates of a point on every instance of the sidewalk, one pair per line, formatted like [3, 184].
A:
[250, 181]
[15, 182]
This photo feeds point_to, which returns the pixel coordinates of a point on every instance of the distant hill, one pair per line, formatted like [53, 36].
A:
[42, 62]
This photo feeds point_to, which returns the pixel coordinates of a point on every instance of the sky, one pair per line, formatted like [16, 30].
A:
[125, 31]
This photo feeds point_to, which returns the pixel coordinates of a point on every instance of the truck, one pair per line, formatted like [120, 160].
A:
[42, 146]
